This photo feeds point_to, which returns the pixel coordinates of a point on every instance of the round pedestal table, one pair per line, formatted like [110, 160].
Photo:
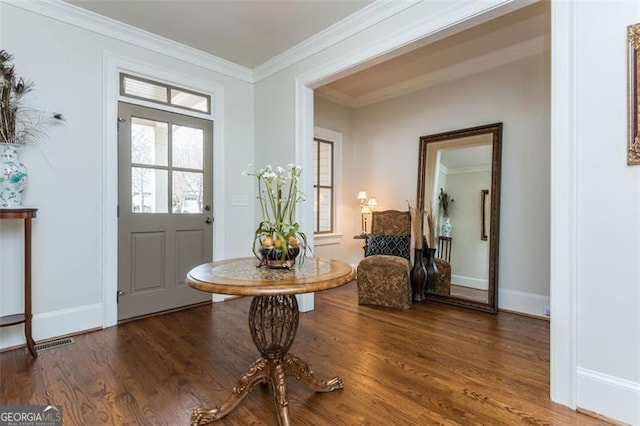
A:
[273, 322]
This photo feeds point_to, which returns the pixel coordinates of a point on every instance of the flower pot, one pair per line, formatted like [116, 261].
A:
[13, 177]
[277, 259]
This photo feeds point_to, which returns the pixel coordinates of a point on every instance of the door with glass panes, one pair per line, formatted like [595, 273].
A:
[164, 208]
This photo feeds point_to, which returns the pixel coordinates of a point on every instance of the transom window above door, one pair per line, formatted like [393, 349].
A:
[164, 94]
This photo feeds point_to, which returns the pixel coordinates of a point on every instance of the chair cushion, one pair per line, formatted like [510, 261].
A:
[390, 245]
[443, 283]
[384, 281]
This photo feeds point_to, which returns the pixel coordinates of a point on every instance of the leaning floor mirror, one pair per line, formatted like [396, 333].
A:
[459, 183]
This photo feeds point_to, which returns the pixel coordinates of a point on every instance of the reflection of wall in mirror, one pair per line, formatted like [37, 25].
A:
[470, 254]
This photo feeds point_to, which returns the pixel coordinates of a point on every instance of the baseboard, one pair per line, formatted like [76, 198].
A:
[604, 419]
[527, 303]
[609, 396]
[477, 283]
[53, 324]
[218, 297]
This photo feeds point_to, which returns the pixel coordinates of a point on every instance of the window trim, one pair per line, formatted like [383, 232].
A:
[324, 238]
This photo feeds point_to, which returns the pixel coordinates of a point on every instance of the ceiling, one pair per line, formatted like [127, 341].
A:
[250, 33]
[245, 32]
[505, 39]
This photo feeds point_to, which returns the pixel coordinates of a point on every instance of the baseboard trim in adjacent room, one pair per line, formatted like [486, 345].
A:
[526, 303]
[471, 282]
[54, 324]
[523, 314]
[614, 398]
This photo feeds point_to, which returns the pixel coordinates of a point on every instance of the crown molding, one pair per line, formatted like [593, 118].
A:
[336, 96]
[90, 21]
[359, 21]
[468, 169]
[466, 68]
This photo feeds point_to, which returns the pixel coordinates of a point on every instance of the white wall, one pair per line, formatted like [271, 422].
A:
[385, 144]
[67, 170]
[607, 250]
[469, 253]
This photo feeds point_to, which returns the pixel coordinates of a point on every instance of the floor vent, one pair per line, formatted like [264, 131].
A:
[54, 344]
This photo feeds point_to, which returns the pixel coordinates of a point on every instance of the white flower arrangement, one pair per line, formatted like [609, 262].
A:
[278, 194]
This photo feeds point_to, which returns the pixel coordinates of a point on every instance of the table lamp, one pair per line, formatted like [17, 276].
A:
[362, 197]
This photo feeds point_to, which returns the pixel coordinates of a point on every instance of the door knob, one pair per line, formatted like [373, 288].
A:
[208, 220]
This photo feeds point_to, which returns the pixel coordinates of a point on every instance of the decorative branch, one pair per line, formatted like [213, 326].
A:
[430, 217]
[416, 225]
[444, 203]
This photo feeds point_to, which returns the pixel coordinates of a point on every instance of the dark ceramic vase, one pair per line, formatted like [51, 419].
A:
[432, 269]
[418, 277]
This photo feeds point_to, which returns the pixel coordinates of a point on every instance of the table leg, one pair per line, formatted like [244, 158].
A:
[28, 314]
[273, 322]
[296, 367]
[257, 374]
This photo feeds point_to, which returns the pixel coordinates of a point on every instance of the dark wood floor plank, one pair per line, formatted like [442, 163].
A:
[432, 364]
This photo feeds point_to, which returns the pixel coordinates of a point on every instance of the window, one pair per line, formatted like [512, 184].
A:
[327, 164]
[167, 166]
[323, 203]
[140, 88]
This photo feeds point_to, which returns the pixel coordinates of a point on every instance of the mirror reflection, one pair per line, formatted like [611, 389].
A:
[459, 182]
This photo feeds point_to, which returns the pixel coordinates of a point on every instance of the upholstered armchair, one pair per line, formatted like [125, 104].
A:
[383, 275]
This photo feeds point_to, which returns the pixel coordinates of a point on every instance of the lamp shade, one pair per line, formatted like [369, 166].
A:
[373, 202]
[362, 195]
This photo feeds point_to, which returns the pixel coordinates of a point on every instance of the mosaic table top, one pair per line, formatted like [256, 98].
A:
[243, 277]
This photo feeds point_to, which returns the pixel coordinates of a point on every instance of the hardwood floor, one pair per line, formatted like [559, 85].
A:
[432, 364]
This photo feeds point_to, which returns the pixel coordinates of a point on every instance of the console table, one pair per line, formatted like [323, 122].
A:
[273, 322]
[444, 248]
[26, 215]
[362, 237]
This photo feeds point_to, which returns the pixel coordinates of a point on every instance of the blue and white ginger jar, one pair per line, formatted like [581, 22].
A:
[13, 177]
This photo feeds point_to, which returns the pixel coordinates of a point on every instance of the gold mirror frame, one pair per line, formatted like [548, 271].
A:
[495, 131]
[633, 148]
